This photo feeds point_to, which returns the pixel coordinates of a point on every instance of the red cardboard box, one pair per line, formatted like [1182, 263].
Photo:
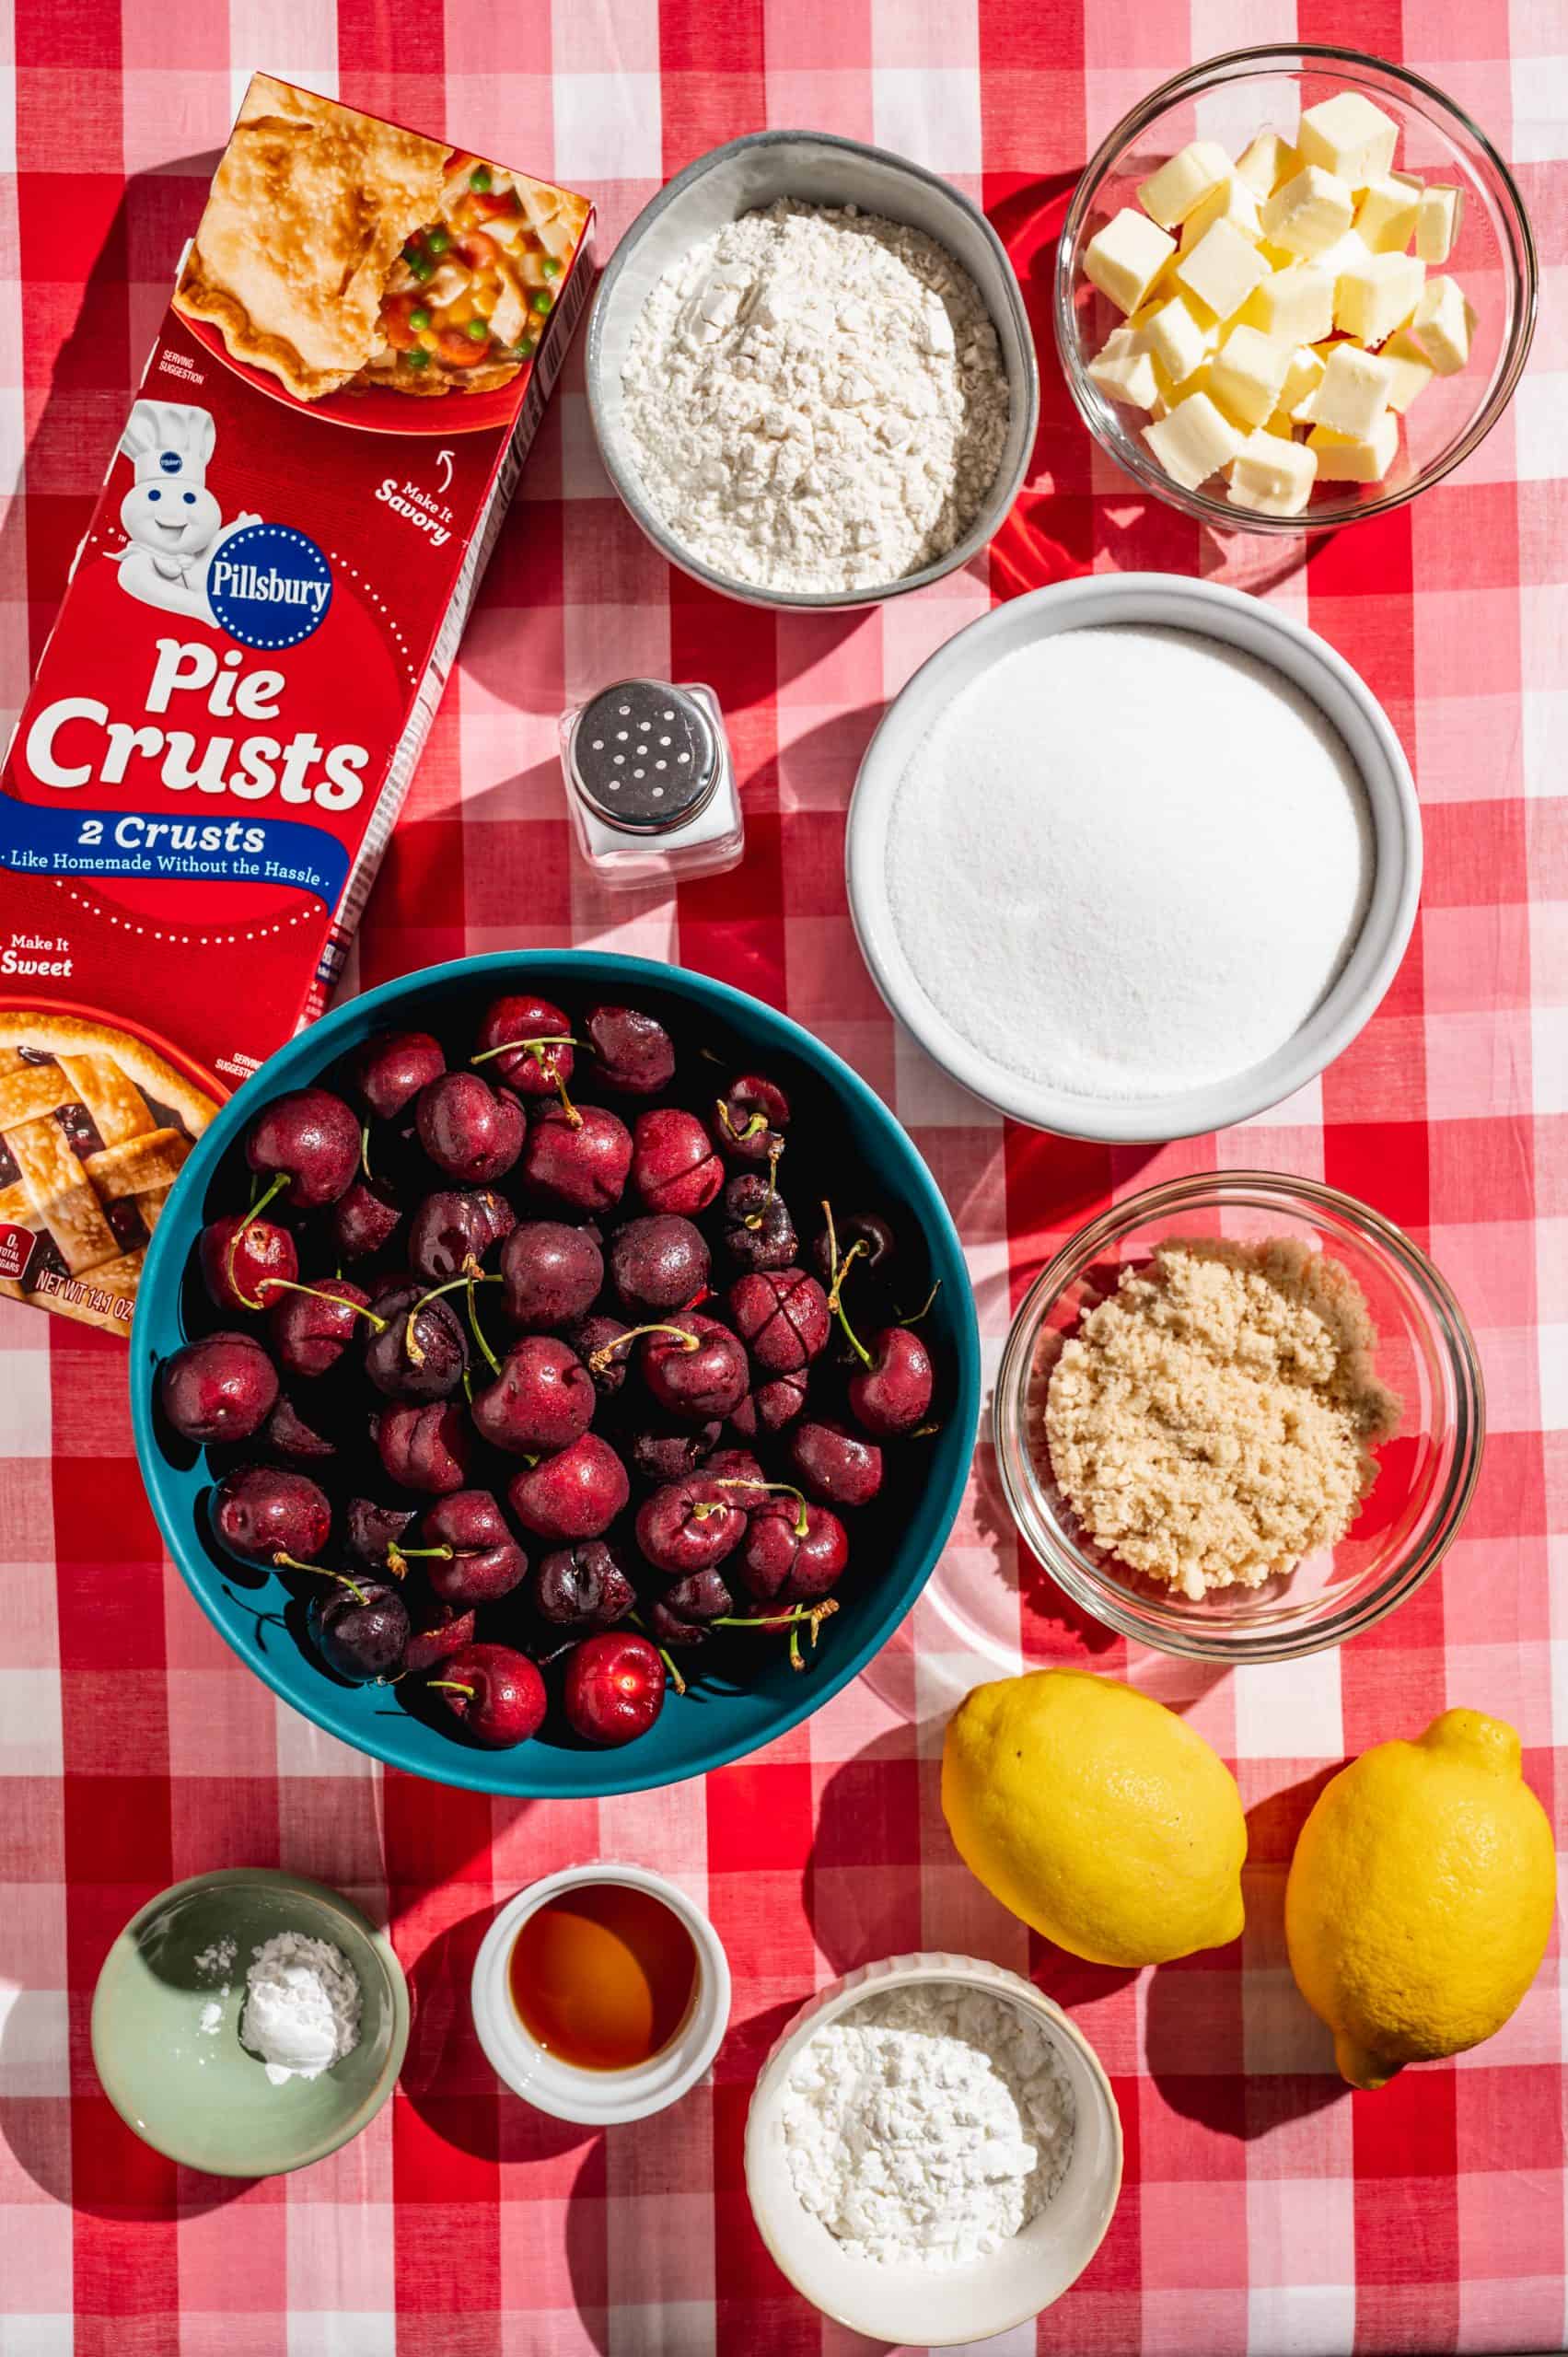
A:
[259, 624]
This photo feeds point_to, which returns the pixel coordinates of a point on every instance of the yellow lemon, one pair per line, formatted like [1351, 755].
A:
[1097, 1815]
[1420, 1896]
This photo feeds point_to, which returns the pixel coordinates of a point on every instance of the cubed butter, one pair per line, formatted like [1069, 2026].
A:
[1352, 458]
[1248, 373]
[1169, 195]
[1231, 201]
[1354, 394]
[1437, 221]
[1193, 441]
[1443, 325]
[1310, 212]
[1297, 302]
[1125, 377]
[1301, 380]
[1222, 269]
[1413, 370]
[1272, 476]
[1374, 296]
[1349, 136]
[1126, 257]
[1266, 162]
[1385, 217]
[1178, 337]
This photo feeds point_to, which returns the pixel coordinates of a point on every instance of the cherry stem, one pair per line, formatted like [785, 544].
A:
[446, 1553]
[800, 1526]
[474, 1327]
[411, 1344]
[251, 1216]
[753, 1220]
[837, 1271]
[916, 1315]
[599, 1359]
[452, 1686]
[667, 1658]
[285, 1285]
[364, 1149]
[754, 1127]
[536, 1048]
[321, 1571]
[811, 1615]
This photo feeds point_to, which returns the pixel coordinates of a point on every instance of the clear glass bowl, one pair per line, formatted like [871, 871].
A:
[1426, 1471]
[1231, 97]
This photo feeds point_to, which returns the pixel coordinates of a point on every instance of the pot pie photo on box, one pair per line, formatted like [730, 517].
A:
[337, 251]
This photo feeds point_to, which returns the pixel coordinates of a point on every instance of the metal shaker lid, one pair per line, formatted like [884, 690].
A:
[645, 756]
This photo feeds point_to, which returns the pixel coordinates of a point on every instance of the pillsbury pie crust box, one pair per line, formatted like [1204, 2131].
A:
[258, 627]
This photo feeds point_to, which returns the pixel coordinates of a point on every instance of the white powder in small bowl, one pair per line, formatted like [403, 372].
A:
[1129, 861]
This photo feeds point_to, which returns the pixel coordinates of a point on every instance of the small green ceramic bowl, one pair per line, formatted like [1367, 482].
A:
[196, 2095]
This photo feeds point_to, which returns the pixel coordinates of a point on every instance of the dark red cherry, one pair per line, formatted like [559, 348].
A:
[758, 1232]
[682, 1614]
[750, 1120]
[836, 1465]
[869, 1231]
[391, 1068]
[311, 1138]
[454, 1228]
[424, 1448]
[781, 1316]
[290, 1432]
[892, 1395]
[674, 1165]
[219, 1388]
[260, 1512]
[735, 1464]
[688, 1525]
[779, 1562]
[437, 1631]
[606, 1349]
[521, 1026]
[420, 1349]
[360, 1629]
[662, 1453]
[579, 1160]
[552, 1274]
[769, 1407]
[371, 1531]
[240, 1255]
[312, 1328]
[614, 1688]
[574, 1494]
[495, 1694]
[542, 1398]
[364, 1220]
[633, 1053]
[701, 1382]
[586, 1586]
[467, 1128]
[485, 1561]
[658, 1263]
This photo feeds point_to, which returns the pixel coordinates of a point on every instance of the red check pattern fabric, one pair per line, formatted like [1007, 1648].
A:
[1267, 2212]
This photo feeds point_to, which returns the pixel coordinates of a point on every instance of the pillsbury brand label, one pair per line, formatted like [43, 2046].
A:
[269, 586]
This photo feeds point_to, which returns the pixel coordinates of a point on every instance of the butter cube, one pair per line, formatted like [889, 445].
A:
[1354, 394]
[1298, 304]
[1374, 297]
[1301, 380]
[1437, 221]
[1442, 326]
[1349, 136]
[1344, 254]
[1413, 370]
[1193, 441]
[1222, 269]
[1385, 217]
[1349, 457]
[1248, 373]
[1169, 194]
[1125, 377]
[1126, 257]
[1310, 212]
[1178, 337]
[1266, 162]
[1272, 476]
[1231, 201]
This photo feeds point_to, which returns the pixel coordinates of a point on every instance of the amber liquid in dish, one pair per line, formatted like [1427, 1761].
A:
[602, 1974]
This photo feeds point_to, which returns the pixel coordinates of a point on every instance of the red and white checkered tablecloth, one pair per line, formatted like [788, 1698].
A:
[1266, 2210]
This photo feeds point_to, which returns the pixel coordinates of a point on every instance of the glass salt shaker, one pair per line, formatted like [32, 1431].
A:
[650, 782]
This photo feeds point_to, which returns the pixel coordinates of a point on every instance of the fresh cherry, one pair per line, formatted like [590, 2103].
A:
[682, 1614]
[364, 1220]
[454, 1228]
[313, 1328]
[360, 1629]
[586, 1586]
[437, 1631]
[605, 1348]
[782, 1314]
[674, 1166]
[552, 1274]
[866, 1235]
[260, 1513]
[892, 1395]
[750, 1120]
[419, 1350]
[241, 1256]
[512, 1045]
[757, 1231]
[735, 1465]
[769, 1407]
[221, 1388]
[691, 1524]
[495, 1693]
[371, 1531]
[424, 1448]
[671, 1453]
[579, 1158]
[614, 1688]
[657, 1263]
[694, 1367]
[288, 1432]
[309, 1138]
[542, 1398]
[392, 1067]
[792, 1554]
[633, 1052]
[467, 1129]
[574, 1494]
[835, 1464]
[483, 1561]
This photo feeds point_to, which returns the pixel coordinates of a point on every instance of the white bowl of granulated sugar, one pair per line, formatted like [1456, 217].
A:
[933, 2151]
[1134, 857]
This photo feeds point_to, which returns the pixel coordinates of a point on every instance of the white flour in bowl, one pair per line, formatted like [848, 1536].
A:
[930, 2123]
[1129, 861]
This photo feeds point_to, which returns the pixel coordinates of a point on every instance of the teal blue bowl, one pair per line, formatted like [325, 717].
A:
[896, 1543]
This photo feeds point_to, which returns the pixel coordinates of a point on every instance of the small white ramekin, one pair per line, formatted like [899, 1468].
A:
[599, 2098]
[938, 2307]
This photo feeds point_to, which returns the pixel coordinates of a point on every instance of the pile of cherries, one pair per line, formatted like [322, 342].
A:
[582, 1400]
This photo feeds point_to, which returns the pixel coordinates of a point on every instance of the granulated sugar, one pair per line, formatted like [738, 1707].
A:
[1129, 861]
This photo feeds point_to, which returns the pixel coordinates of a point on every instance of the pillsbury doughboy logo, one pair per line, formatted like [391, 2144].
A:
[265, 585]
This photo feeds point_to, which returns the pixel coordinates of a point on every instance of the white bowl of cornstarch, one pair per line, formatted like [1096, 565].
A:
[1134, 857]
[933, 2151]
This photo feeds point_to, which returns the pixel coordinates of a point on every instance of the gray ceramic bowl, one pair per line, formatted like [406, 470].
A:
[196, 2095]
[819, 170]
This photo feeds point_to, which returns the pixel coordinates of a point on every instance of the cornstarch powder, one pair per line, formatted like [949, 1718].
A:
[1128, 861]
